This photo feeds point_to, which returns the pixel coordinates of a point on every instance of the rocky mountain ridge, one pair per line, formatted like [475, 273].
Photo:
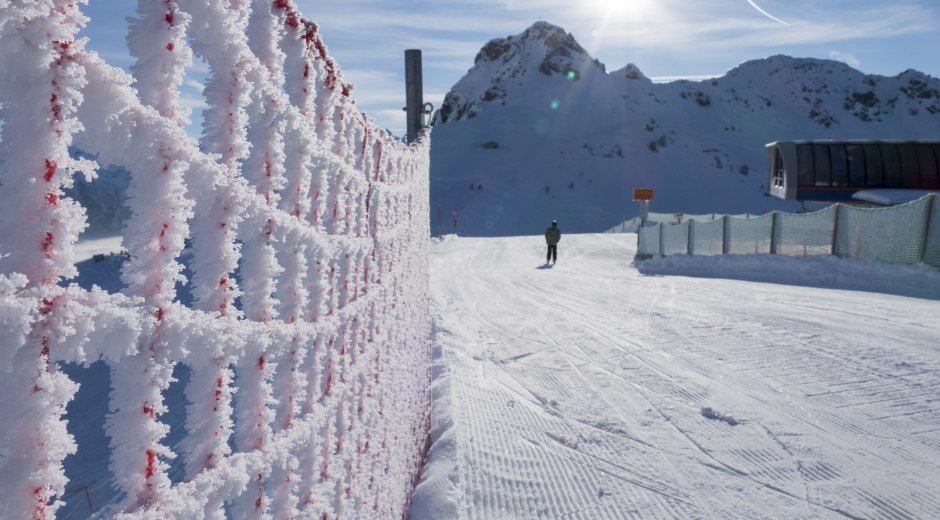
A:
[538, 129]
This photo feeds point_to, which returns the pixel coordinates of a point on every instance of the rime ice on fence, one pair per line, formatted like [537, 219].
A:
[38, 64]
[321, 338]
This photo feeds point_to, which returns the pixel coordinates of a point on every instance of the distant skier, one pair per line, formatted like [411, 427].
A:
[552, 237]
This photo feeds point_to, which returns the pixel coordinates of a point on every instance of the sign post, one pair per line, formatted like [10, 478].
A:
[643, 196]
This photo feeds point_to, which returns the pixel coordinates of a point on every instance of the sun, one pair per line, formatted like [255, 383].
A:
[621, 10]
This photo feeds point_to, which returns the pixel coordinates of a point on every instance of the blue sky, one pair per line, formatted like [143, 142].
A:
[666, 38]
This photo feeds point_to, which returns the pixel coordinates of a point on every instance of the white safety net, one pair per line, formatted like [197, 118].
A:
[749, 235]
[648, 245]
[676, 239]
[894, 235]
[708, 237]
[805, 234]
[904, 234]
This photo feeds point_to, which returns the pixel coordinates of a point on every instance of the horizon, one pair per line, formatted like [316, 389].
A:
[668, 40]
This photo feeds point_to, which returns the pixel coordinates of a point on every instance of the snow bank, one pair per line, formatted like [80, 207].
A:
[437, 494]
[890, 197]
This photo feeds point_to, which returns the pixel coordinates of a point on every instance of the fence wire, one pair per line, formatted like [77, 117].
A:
[805, 234]
[708, 237]
[749, 235]
[904, 234]
[893, 235]
[649, 243]
[675, 239]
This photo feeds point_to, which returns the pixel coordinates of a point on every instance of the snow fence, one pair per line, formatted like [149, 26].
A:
[904, 234]
[633, 225]
[309, 389]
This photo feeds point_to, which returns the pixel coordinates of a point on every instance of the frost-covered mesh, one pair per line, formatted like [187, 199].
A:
[932, 245]
[805, 234]
[749, 235]
[707, 237]
[893, 235]
[310, 399]
[676, 239]
[648, 242]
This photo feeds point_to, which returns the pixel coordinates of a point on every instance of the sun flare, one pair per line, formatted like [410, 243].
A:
[621, 9]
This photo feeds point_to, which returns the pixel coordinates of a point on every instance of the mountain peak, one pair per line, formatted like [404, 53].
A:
[540, 36]
[542, 52]
[630, 71]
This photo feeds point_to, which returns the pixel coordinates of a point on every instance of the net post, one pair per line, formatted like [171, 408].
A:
[933, 201]
[690, 240]
[773, 232]
[835, 230]
[662, 239]
[725, 224]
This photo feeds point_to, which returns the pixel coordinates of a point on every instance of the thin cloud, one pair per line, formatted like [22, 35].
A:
[765, 13]
[846, 58]
[815, 27]
[695, 77]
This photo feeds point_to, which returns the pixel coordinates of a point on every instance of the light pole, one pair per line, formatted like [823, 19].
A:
[415, 107]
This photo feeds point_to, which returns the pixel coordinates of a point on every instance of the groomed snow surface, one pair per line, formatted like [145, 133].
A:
[727, 387]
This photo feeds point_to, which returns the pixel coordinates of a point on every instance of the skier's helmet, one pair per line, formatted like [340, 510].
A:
[554, 223]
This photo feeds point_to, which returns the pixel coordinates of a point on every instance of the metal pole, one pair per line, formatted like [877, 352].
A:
[932, 201]
[773, 233]
[662, 239]
[836, 222]
[725, 235]
[414, 93]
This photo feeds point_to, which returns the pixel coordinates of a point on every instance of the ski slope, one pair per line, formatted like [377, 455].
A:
[592, 390]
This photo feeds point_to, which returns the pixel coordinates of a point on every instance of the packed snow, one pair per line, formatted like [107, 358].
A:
[890, 197]
[686, 387]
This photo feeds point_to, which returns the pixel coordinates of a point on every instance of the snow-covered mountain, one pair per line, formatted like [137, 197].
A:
[104, 200]
[538, 129]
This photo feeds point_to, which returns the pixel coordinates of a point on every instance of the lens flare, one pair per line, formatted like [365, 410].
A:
[621, 9]
[612, 18]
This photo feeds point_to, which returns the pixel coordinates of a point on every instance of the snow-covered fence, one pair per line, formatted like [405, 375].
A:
[904, 234]
[308, 342]
[633, 225]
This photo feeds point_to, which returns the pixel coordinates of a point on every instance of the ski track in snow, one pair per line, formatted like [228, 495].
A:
[580, 391]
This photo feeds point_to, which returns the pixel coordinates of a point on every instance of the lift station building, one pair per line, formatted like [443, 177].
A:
[843, 171]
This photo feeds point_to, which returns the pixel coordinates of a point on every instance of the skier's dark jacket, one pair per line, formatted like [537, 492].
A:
[552, 235]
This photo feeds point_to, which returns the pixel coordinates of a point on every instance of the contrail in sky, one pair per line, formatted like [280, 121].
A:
[765, 13]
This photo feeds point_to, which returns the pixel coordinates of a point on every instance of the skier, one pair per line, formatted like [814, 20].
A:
[552, 236]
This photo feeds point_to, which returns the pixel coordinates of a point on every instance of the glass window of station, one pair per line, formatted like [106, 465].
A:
[909, 165]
